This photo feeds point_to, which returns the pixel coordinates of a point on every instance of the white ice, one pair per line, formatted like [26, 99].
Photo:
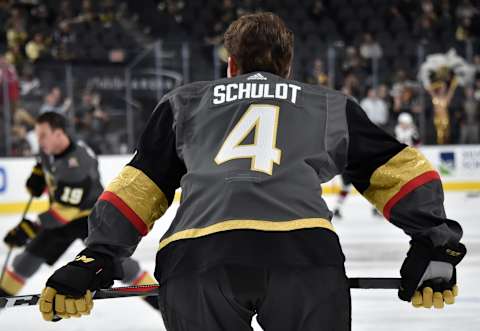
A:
[373, 247]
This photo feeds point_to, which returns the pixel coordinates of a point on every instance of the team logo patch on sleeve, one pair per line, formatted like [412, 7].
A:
[73, 162]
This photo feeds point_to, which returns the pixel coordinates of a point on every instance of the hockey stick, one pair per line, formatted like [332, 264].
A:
[152, 290]
[5, 264]
[111, 293]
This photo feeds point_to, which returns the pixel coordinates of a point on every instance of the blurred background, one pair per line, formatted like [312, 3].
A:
[105, 64]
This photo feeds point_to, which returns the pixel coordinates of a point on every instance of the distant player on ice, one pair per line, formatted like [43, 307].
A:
[68, 170]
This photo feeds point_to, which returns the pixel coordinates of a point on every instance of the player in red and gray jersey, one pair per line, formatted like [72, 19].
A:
[252, 234]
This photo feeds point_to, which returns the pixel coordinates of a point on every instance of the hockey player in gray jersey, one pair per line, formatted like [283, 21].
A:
[252, 234]
[68, 170]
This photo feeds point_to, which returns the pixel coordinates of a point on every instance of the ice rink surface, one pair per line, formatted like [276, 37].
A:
[373, 247]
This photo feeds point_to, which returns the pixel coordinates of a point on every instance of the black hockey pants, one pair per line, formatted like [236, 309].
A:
[286, 299]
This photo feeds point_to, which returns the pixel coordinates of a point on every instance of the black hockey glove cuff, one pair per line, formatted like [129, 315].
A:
[89, 271]
[428, 273]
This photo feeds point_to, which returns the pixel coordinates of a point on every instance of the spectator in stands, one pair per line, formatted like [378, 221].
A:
[465, 30]
[405, 100]
[65, 13]
[351, 85]
[14, 56]
[225, 14]
[87, 13]
[8, 76]
[36, 48]
[91, 122]
[469, 129]
[424, 29]
[429, 10]
[466, 10]
[476, 87]
[53, 102]
[20, 145]
[30, 89]
[317, 75]
[24, 142]
[384, 94]
[405, 131]
[400, 78]
[16, 33]
[476, 63]
[174, 8]
[370, 48]
[248, 6]
[376, 108]
[40, 18]
[17, 18]
[64, 42]
[318, 10]
[354, 64]
[446, 10]
[108, 14]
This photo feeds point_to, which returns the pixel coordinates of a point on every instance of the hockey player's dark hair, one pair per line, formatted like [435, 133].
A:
[260, 42]
[53, 119]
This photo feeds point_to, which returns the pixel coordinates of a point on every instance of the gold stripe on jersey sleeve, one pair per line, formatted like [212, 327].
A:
[140, 194]
[67, 213]
[303, 223]
[387, 180]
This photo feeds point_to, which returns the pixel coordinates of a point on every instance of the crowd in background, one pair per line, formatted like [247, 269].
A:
[376, 62]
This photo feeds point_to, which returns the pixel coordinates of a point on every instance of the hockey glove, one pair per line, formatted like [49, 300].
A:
[69, 290]
[25, 231]
[429, 275]
[36, 182]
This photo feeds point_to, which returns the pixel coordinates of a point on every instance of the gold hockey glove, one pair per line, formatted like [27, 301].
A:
[68, 291]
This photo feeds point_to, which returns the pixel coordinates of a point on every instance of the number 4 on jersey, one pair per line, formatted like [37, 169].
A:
[264, 120]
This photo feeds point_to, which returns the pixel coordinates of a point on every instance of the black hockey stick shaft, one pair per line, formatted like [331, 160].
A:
[9, 253]
[152, 290]
[27, 207]
[374, 283]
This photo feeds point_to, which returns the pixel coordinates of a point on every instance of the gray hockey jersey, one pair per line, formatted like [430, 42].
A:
[73, 184]
[250, 154]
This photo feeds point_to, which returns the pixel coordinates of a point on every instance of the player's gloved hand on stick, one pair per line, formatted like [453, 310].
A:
[18, 236]
[68, 292]
[429, 275]
[36, 182]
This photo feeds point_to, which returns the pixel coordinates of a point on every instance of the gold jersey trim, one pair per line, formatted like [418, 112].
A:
[66, 214]
[298, 224]
[11, 282]
[140, 194]
[389, 178]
